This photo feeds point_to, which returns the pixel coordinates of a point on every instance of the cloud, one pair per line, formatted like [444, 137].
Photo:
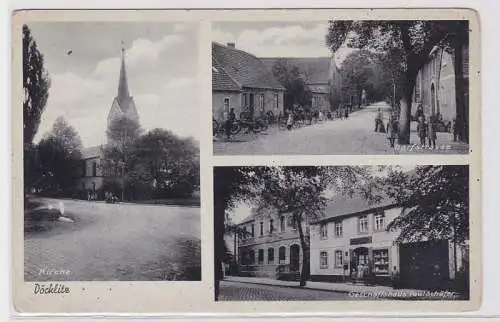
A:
[286, 41]
[162, 79]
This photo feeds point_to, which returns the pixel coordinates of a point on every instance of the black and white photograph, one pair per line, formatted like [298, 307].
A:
[342, 233]
[111, 151]
[379, 87]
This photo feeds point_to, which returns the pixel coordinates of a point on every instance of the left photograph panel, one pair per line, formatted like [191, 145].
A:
[111, 151]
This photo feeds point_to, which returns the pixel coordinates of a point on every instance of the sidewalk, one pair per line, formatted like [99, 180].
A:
[356, 291]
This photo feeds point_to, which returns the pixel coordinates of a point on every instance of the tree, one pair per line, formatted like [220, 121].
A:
[357, 72]
[434, 200]
[413, 40]
[164, 164]
[36, 83]
[299, 191]
[290, 76]
[122, 134]
[59, 157]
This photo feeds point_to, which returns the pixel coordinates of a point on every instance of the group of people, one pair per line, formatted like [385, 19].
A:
[427, 130]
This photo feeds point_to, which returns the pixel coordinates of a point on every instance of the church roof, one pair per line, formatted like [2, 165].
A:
[123, 95]
[244, 68]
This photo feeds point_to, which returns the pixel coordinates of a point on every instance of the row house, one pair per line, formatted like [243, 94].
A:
[241, 81]
[271, 246]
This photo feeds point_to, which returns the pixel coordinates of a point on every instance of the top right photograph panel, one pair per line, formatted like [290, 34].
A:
[376, 87]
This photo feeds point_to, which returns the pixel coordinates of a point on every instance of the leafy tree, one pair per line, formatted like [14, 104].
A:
[165, 163]
[59, 157]
[358, 74]
[122, 134]
[36, 83]
[410, 41]
[290, 76]
[434, 200]
[299, 191]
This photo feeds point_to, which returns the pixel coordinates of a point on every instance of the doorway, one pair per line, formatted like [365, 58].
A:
[294, 257]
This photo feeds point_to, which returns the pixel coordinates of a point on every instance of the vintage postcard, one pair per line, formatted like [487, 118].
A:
[238, 161]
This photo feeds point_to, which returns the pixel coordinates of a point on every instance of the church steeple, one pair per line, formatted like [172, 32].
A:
[123, 94]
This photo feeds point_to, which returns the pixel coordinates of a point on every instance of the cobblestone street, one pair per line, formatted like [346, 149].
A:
[116, 242]
[235, 291]
[352, 136]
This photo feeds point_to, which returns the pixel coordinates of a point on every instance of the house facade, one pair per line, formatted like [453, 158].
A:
[241, 81]
[319, 74]
[435, 86]
[271, 246]
[352, 244]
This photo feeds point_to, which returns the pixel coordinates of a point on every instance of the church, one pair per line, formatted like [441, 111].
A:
[95, 174]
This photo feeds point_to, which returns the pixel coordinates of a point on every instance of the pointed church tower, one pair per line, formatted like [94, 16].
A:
[123, 104]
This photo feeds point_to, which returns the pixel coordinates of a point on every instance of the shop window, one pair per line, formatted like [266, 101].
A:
[338, 258]
[381, 261]
[379, 221]
[323, 260]
[323, 231]
[363, 224]
[338, 229]
[282, 255]
[261, 256]
[270, 255]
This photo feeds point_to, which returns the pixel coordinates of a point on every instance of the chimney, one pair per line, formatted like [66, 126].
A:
[231, 44]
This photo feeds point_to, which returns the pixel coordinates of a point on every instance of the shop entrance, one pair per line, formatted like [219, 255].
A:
[360, 264]
[294, 257]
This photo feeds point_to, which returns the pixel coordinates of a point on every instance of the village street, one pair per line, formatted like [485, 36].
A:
[236, 291]
[109, 242]
[352, 136]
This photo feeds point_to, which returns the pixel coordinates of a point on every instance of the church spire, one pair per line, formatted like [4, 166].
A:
[123, 93]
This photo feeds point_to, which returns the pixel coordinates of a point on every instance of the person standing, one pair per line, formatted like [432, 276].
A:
[392, 130]
[432, 132]
[289, 122]
[422, 130]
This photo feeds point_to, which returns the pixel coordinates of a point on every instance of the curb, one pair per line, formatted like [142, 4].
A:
[291, 286]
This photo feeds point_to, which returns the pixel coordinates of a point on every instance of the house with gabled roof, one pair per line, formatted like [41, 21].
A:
[319, 74]
[242, 82]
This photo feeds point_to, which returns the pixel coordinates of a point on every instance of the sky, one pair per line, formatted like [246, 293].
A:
[162, 69]
[278, 39]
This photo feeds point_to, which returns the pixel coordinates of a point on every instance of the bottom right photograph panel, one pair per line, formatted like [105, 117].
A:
[388, 232]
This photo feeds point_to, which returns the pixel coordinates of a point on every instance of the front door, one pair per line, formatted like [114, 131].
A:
[294, 257]
[359, 262]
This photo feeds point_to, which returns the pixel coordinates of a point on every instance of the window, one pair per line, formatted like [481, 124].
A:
[253, 230]
[276, 100]
[261, 102]
[270, 255]
[282, 223]
[94, 169]
[226, 104]
[379, 221]
[245, 233]
[323, 260]
[381, 261]
[261, 228]
[261, 256]
[363, 224]
[465, 62]
[282, 254]
[251, 257]
[271, 226]
[338, 258]
[323, 231]
[338, 229]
